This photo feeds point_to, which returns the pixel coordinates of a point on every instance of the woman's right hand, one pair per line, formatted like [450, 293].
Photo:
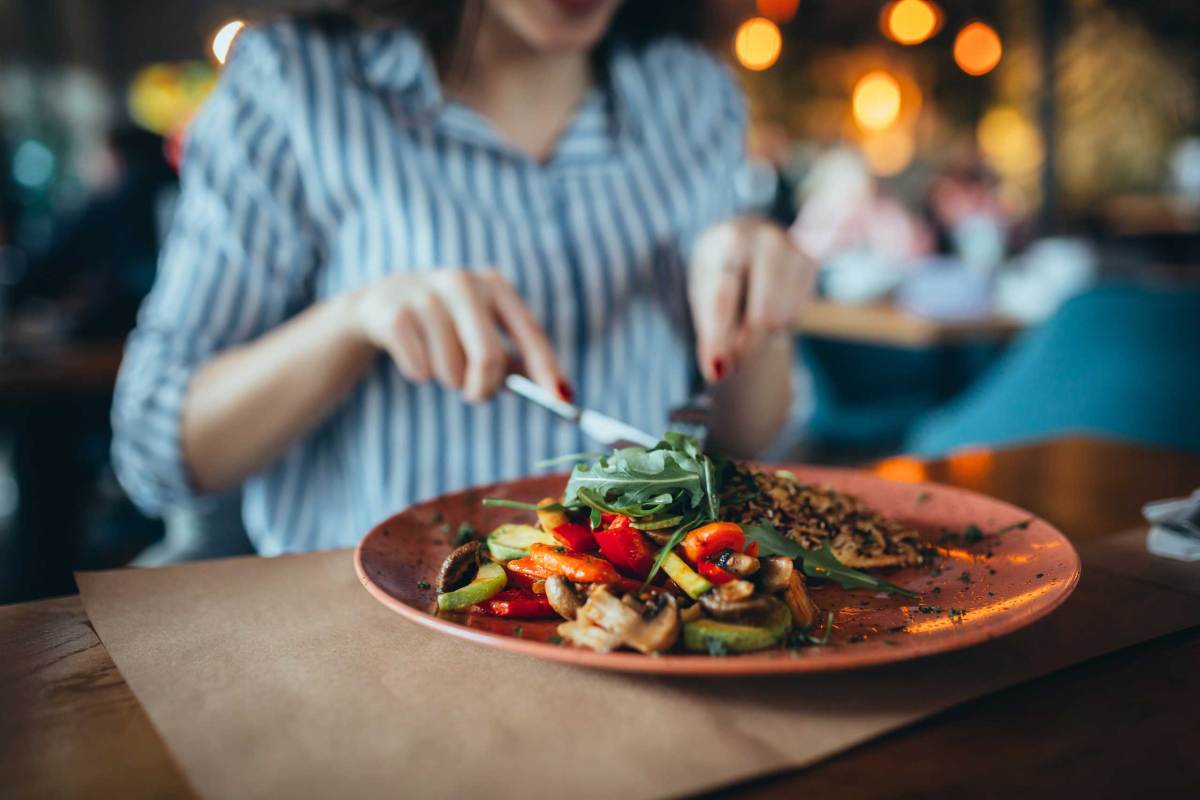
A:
[452, 324]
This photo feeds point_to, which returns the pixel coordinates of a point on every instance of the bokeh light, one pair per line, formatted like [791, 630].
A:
[1010, 142]
[977, 48]
[910, 21]
[163, 98]
[223, 39]
[757, 43]
[778, 10]
[887, 153]
[876, 100]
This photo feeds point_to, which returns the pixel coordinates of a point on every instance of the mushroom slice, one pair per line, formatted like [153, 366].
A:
[804, 610]
[732, 603]
[739, 564]
[582, 633]
[459, 567]
[775, 573]
[605, 609]
[658, 627]
[563, 597]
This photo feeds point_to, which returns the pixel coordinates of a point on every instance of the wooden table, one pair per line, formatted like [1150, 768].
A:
[885, 323]
[1120, 725]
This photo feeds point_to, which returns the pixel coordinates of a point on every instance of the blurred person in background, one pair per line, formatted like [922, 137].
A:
[101, 263]
[380, 218]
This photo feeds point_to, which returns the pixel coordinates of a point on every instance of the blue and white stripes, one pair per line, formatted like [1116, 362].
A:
[327, 160]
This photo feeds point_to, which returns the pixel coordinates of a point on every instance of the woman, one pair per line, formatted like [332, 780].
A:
[378, 221]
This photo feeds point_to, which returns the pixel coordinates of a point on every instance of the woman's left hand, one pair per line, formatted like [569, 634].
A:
[748, 282]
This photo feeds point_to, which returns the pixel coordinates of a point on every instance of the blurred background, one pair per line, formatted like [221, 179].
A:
[1004, 197]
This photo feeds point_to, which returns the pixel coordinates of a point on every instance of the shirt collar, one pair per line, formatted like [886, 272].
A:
[395, 61]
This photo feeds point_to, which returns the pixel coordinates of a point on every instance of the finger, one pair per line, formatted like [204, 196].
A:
[477, 333]
[445, 351]
[533, 347]
[769, 293]
[405, 343]
[716, 298]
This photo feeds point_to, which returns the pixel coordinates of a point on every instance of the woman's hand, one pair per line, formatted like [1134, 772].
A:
[452, 324]
[748, 282]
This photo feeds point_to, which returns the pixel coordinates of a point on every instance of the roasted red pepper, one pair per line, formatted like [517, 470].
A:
[626, 548]
[752, 549]
[576, 566]
[575, 536]
[715, 575]
[514, 602]
[710, 539]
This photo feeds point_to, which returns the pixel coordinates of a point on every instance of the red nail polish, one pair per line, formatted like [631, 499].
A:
[565, 392]
[718, 367]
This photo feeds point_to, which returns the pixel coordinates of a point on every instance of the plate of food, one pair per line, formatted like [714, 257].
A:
[670, 560]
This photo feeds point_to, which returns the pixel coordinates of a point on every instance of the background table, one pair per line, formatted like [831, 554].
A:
[885, 323]
[72, 727]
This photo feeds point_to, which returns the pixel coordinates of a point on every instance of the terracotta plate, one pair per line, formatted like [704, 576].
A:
[980, 590]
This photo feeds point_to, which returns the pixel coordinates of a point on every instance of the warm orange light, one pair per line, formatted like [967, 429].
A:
[757, 43]
[911, 21]
[977, 48]
[778, 10]
[905, 469]
[223, 39]
[889, 152]
[970, 468]
[876, 100]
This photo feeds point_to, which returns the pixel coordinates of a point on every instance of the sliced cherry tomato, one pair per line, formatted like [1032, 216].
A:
[575, 536]
[626, 548]
[513, 602]
[712, 538]
[716, 575]
[576, 566]
[752, 549]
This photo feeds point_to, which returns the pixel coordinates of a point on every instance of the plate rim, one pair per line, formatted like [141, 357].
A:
[743, 665]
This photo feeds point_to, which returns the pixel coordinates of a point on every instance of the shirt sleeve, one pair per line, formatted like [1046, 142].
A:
[238, 261]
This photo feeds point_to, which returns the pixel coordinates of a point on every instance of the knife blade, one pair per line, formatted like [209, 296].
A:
[601, 428]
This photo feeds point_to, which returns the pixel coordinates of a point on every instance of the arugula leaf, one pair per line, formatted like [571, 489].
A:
[817, 563]
[634, 476]
[568, 458]
[505, 503]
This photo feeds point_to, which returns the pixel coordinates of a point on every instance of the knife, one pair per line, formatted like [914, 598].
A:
[601, 428]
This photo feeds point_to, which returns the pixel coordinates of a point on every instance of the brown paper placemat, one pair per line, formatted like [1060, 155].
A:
[282, 677]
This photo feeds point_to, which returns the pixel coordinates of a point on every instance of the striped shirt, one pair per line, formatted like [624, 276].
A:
[325, 160]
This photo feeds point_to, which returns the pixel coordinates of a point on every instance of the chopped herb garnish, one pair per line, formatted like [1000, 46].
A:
[799, 638]
[422, 584]
[437, 516]
[898, 629]
[715, 646]
[518, 631]
[965, 577]
[923, 497]
[560, 548]
[443, 527]
[991, 571]
[972, 534]
[929, 609]
[1040, 575]
[856, 638]
[935, 571]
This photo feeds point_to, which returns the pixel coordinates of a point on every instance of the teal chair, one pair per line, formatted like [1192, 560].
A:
[1119, 361]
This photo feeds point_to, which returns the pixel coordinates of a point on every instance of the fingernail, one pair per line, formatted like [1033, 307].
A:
[565, 391]
[718, 367]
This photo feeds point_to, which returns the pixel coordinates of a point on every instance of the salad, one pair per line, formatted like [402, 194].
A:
[655, 549]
